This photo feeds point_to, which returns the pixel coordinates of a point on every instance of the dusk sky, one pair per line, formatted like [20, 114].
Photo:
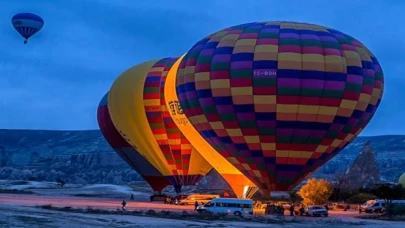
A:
[57, 80]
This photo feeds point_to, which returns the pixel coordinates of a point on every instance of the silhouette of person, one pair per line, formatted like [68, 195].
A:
[195, 206]
[292, 210]
[124, 204]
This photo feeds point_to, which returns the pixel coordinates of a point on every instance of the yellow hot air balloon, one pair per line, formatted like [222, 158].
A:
[139, 113]
[401, 180]
[240, 184]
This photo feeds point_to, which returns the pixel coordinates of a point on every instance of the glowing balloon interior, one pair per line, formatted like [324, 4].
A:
[241, 185]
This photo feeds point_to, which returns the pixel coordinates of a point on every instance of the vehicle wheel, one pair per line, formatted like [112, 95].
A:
[326, 215]
[307, 214]
[237, 213]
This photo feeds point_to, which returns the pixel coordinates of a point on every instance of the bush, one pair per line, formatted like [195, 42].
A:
[396, 210]
[151, 212]
[361, 198]
[164, 212]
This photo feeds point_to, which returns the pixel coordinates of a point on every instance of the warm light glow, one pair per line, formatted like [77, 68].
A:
[233, 176]
[128, 108]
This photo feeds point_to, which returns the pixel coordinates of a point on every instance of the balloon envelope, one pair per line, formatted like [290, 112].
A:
[127, 152]
[240, 184]
[401, 180]
[27, 24]
[279, 99]
[137, 108]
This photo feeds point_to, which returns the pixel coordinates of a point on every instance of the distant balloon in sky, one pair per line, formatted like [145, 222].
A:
[27, 24]
[279, 99]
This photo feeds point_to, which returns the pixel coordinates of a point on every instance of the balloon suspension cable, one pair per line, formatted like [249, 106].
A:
[251, 191]
[25, 41]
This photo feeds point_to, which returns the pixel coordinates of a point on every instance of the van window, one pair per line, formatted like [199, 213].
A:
[236, 205]
[209, 204]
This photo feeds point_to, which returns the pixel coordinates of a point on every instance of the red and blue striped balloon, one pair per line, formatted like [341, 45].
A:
[27, 24]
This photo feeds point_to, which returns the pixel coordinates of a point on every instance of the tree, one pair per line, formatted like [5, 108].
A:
[316, 192]
[389, 193]
[339, 187]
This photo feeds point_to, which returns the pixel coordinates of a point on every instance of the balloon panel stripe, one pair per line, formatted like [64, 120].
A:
[175, 147]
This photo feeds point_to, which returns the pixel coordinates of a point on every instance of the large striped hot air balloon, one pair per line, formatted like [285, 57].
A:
[279, 99]
[139, 112]
[241, 185]
[127, 152]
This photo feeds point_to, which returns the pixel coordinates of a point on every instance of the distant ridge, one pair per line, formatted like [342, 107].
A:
[83, 156]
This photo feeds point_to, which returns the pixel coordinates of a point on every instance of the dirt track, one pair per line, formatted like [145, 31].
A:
[84, 202]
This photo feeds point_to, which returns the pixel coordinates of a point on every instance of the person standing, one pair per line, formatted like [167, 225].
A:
[292, 210]
[124, 204]
[195, 206]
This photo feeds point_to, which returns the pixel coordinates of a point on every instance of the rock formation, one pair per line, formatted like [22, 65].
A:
[364, 171]
[84, 157]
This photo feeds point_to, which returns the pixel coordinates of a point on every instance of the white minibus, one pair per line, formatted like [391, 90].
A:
[234, 206]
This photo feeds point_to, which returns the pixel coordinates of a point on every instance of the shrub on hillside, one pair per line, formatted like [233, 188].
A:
[361, 198]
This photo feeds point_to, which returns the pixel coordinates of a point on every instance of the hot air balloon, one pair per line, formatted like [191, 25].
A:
[27, 24]
[138, 111]
[401, 180]
[241, 185]
[127, 152]
[279, 99]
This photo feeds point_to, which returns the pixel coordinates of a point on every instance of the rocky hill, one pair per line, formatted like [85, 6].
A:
[85, 157]
[364, 171]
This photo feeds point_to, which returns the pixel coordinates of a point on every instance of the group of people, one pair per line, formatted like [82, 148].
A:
[300, 211]
[274, 209]
[277, 209]
[170, 200]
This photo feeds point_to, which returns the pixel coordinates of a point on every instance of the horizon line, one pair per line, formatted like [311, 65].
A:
[75, 130]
